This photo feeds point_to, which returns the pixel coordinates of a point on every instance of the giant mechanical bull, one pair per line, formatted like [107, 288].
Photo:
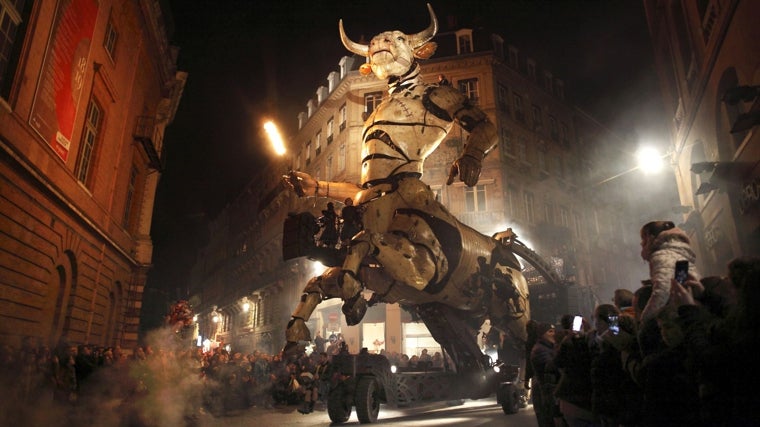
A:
[412, 250]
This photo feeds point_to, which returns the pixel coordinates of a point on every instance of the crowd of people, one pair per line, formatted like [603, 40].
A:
[162, 385]
[671, 353]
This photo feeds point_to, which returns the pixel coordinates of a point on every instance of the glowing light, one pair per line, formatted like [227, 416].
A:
[195, 318]
[246, 307]
[215, 318]
[649, 160]
[317, 267]
[275, 138]
[393, 369]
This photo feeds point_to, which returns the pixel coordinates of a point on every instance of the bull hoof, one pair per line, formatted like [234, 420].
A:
[354, 309]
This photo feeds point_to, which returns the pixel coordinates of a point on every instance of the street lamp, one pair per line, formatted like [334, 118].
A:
[648, 160]
[275, 138]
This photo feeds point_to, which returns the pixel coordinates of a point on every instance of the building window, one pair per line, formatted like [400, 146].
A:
[464, 41]
[549, 213]
[89, 139]
[578, 224]
[109, 42]
[475, 198]
[541, 158]
[506, 143]
[371, 101]
[548, 82]
[342, 117]
[559, 89]
[518, 103]
[10, 41]
[298, 161]
[469, 88]
[530, 202]
[503, 95]
[522, 149]
[330, 131]
[511, 202]
[513, 57]
[308, 153]
[553, 131]
[318, 142]
[563, 135]
[564, 217]
[342, 157]
[131, 189]
[537, 119]
[329, 168]
[532, 70]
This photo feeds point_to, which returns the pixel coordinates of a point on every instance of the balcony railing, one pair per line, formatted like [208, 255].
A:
[150, 137]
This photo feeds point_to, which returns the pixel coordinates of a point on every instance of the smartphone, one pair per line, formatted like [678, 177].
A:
[577, 323]
[682, 271]
[614, 325]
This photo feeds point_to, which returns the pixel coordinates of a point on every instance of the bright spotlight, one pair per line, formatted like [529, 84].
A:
[275, 138]
[649, 160]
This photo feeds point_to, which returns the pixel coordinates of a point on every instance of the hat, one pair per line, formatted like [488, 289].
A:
[542, 328]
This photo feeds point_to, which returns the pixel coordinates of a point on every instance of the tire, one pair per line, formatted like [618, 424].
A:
[338, 405]
[509, 397]
[367, 400]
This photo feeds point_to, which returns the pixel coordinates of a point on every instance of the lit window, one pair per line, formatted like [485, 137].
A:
[475, 198]
[469, 88]
[464, 41]
[308, 153]
[342, 114]
[371, 101]
[318, 142]
[330, 131]
[89, 139]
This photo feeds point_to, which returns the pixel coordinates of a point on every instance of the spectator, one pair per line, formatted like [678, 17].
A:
[328, 222]
[351, 220]
[662, 244]
[545, 375]
[623, 300]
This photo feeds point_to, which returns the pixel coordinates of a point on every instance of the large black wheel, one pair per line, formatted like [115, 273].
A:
[509, 396]
[367, 400]
[338, 405]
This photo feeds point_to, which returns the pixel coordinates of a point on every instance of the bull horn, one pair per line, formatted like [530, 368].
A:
[428, 33]
[357, 48]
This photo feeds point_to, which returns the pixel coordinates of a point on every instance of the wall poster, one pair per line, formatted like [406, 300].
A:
[61, 79]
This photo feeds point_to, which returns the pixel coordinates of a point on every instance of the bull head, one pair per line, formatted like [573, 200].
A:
[392, 53]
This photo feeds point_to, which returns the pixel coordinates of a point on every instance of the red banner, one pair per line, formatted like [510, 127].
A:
[61, 80]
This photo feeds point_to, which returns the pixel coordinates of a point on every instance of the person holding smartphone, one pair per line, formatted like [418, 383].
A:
[662, 246]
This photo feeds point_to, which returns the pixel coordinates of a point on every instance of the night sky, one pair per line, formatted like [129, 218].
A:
[250, 60]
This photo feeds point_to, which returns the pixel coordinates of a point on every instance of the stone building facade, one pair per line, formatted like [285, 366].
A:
[706, 56]
[87, 90]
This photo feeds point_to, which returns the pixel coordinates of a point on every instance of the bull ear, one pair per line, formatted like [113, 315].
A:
[426, 50]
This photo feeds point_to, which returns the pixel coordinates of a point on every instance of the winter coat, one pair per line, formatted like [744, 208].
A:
[669, 246]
